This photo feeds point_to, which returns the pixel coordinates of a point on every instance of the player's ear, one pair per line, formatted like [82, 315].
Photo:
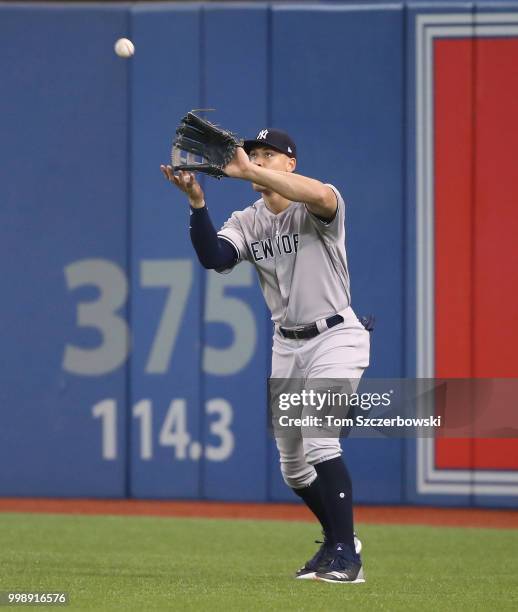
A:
[292, 164]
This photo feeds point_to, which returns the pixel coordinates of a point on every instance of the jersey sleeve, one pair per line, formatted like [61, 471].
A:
[335, 227]
[232, 232]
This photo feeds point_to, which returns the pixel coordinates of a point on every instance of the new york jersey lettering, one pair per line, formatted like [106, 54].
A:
[283, 244]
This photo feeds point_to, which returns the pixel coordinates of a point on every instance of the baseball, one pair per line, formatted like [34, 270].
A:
[124, 47]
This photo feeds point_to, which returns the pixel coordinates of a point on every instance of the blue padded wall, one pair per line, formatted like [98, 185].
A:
[236, 331]
[127, 369]
[63, 194]
[166, 298]
[342, 98]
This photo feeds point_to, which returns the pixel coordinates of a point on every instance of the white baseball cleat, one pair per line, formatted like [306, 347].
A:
[321, 560]
[345, 568]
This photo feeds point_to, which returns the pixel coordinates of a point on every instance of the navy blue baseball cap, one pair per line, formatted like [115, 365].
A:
[275, 139]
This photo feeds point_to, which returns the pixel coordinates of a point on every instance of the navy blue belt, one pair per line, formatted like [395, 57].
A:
[305, 332]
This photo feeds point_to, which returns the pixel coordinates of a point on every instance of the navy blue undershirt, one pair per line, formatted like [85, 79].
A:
[214, 253]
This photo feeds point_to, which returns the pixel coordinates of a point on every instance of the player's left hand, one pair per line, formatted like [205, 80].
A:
[240, 165]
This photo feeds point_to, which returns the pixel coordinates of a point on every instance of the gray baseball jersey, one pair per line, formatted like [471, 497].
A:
[301, 260]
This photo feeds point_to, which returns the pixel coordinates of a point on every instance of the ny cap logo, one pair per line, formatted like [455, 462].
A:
[289, 150]
[262, 135]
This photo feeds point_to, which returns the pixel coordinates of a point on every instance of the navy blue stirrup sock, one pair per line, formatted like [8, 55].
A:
[312, 497]
[336, 491]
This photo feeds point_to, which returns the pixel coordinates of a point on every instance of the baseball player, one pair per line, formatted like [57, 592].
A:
[294, 235]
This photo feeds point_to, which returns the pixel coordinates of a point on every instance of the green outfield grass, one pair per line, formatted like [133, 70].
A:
[151, 563]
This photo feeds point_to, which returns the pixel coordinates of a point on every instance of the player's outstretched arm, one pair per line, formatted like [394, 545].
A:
[319, 198]
[214, 253]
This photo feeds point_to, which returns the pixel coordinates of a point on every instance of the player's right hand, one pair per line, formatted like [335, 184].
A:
[186, 182]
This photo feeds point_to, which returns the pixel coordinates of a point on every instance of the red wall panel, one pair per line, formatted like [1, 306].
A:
[453, 163]
[495, 290]
[476, 226]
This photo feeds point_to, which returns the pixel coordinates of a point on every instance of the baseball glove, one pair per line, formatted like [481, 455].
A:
[201, 146]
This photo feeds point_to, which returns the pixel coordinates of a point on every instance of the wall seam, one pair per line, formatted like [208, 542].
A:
[404, 226]
[473, 228]
[129, 263]
[268, 325]
[201, 271]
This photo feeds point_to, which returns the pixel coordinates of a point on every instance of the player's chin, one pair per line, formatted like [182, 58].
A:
[258, 188]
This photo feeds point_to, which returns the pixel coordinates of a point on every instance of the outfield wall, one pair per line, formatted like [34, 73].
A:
[128, 370]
